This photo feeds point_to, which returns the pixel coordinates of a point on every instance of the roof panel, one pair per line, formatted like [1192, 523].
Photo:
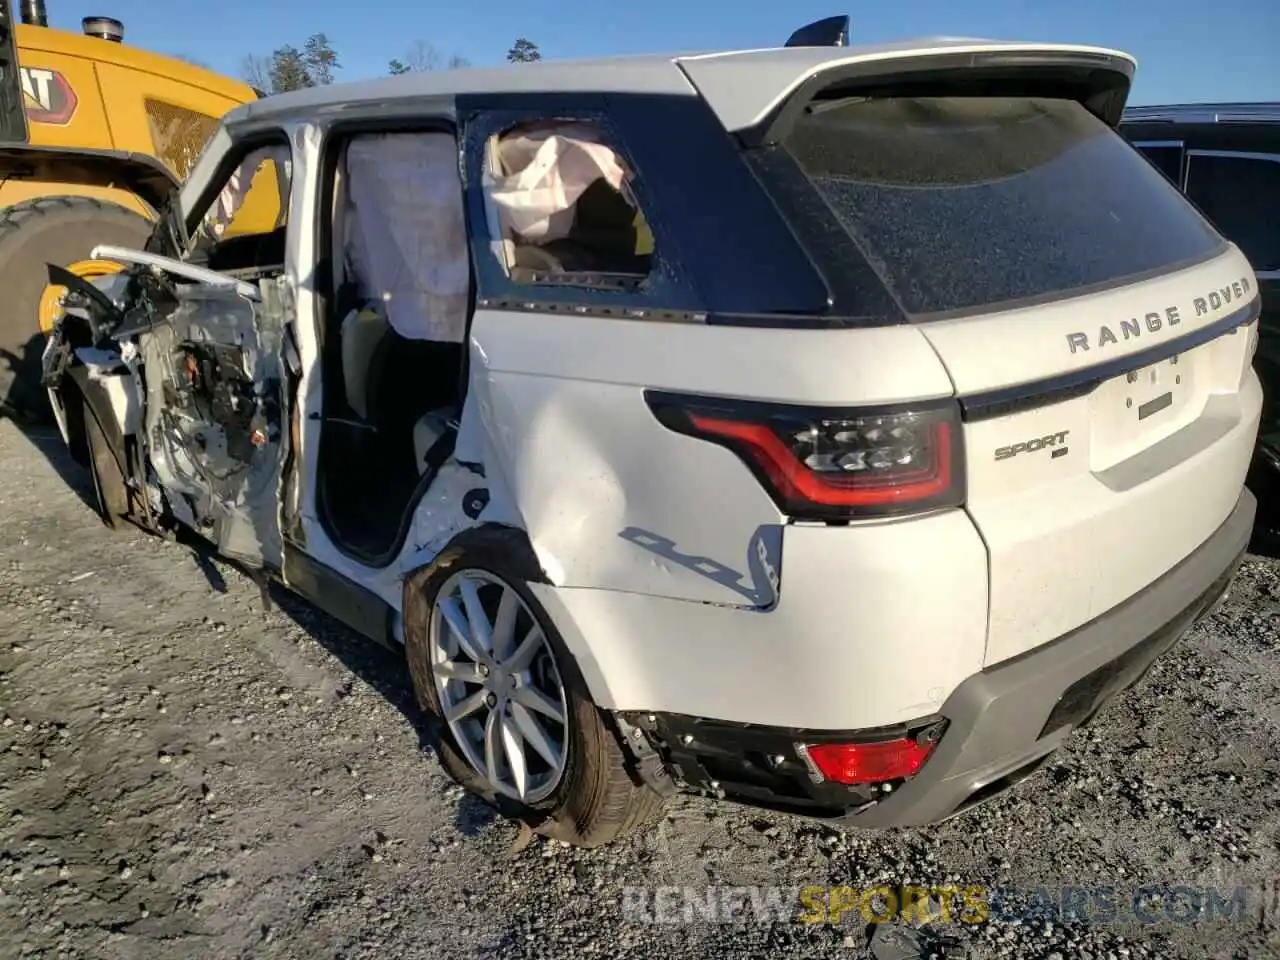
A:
[650, 74]
[741, 86]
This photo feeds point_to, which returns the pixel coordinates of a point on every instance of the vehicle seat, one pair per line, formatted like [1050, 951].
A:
[432, 427]
[413, 391]
[605, 236]
[363, 332]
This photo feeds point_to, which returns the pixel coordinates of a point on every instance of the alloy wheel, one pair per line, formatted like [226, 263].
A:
[499, 686]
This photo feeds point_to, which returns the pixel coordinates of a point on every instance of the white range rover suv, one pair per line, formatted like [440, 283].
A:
[828, 428]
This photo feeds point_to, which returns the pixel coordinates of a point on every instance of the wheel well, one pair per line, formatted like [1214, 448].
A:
[141, 174]
[72, 402]
[91, 401]
[511, 540]
[14, 192]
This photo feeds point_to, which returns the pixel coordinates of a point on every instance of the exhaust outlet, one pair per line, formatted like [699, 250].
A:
[34, 13]
[104, 28]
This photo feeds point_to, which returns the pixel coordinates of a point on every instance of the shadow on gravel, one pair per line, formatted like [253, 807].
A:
[378, 667]
[202, 555]
[384, 671]
[473, 815]
[49, 443]
[1264, 483]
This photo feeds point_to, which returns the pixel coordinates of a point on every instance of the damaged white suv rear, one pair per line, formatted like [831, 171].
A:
[827, 428]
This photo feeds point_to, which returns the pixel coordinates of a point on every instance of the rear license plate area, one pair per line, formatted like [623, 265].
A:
[1135, 410]
[1154, 391]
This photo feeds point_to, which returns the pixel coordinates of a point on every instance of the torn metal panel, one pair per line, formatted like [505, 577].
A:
[213, 413]
[107, 371]
[443, 513]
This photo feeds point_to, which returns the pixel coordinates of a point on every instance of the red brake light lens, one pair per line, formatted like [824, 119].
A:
[852, 763]
[834, 464]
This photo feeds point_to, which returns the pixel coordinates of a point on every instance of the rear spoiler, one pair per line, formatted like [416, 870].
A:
[139, 173]
[1098, 80]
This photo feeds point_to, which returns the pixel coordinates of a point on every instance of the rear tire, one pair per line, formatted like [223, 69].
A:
[59, 230]
[596, 797]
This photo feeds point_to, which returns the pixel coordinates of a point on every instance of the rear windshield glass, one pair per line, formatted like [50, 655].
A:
[962, 202]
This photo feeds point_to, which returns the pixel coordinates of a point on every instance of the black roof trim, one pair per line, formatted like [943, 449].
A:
[1260, 112]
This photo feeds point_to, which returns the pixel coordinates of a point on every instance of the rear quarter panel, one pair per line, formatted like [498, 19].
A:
[610, 498]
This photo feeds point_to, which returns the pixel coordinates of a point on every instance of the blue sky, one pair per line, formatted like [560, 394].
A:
[1187, 50]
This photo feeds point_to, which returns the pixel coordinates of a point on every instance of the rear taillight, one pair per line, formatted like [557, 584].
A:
[855, 763]
[833, 464]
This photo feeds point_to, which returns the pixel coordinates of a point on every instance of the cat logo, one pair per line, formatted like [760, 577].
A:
[47, 96]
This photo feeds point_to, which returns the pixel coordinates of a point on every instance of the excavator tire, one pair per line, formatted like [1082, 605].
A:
[60, 230]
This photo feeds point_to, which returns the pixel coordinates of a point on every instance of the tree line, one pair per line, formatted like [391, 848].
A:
[316, 63]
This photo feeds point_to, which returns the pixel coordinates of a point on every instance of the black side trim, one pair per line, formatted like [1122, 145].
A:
[360, 609]
[1041, 393]
[602, 310]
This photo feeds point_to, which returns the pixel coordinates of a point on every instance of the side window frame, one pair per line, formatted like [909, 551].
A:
[1229, 154]
[667, 293]
[1183, 154]
[227, 166]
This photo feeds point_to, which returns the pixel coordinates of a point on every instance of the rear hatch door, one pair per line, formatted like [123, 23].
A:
[1096, 328]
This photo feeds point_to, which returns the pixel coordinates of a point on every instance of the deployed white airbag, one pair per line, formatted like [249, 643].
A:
[544, 172]
[406, 231]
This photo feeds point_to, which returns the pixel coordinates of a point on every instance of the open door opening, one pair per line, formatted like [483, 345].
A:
[393, 354]
[394, 351]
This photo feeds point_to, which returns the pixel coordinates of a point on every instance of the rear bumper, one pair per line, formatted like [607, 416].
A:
[1002, 723]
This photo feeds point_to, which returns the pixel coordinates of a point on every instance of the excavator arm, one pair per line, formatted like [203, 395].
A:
[13, 116]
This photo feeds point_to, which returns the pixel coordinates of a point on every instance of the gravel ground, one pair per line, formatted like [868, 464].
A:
[183, 773]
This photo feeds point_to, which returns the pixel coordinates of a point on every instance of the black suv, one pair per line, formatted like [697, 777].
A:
[1226, 159]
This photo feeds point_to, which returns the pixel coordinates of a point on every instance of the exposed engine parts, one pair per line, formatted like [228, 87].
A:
[212, 385]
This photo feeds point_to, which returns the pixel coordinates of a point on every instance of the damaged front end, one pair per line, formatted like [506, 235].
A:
[188, 377]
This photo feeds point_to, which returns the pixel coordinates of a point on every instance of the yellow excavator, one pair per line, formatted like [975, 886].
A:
[94, 137]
